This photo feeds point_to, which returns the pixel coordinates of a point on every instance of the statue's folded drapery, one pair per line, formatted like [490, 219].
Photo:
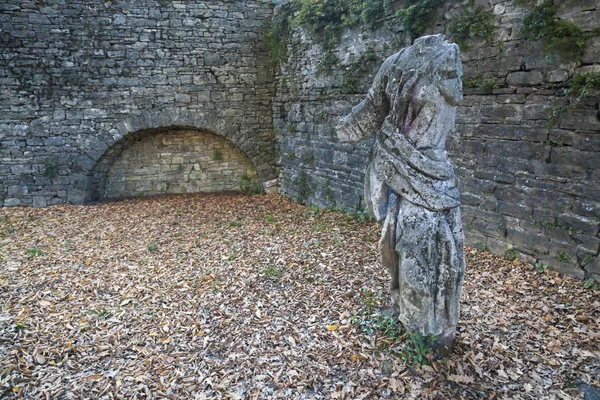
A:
[409, 184]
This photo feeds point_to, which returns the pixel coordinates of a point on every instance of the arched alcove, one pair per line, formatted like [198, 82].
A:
[257, 148]
[172, 160]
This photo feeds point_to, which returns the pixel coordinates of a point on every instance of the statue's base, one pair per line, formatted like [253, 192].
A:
[443, 345]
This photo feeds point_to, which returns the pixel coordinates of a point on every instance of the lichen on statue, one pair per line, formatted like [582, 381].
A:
[409, 183]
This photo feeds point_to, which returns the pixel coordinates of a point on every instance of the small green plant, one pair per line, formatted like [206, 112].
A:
[231, 256]
[478, 81]
[370, 320]
[591, 284]
[271, 271]
[217, 155]
[100, 313]
[328, 194]
[512, 254]
[582, 86]
[417, 349]
[588, 258]
[337, 241]
[235, 224]
[69, 246]
[270, 219]
[34, 252]
[540, 268]
[152, 247]
[19, 326]
[473, 25]
[377, 322]
[303, 187]
[362, 217]
[318, 228]
[557, 36]
[50, 168]
[563, 257]
[482, 247]
[313, 210]
[249, 188]
[371, 300]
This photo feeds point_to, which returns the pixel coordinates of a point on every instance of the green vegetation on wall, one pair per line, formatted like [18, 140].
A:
[585, 84]
[357, 69]
[277, 36]
[476, 24]
[582, 86]
[478, 81]
[326, 19]
[303, 187]
[558, 36]
[416, 16]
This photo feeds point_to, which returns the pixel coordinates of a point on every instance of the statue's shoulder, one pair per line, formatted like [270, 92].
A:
[391, 60]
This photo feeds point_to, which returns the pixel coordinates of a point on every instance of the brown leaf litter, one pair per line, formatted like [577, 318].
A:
[237, 297]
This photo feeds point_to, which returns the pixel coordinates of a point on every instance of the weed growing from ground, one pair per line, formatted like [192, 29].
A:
[540, 268]
[417, 348]
[591, 284]
[271, 271]
[370, 320]
[34, 252]
[512, 254]
[100, 313]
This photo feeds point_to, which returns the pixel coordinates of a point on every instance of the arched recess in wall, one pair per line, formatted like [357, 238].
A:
[177, 151]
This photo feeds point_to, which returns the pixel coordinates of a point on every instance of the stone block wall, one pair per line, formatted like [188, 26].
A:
[77, 78]
[181, 161]
[529, 187]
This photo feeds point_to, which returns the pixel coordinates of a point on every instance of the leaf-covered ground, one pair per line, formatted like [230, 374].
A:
[240, 297]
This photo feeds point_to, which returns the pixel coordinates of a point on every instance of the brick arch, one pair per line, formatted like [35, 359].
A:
[148, 123]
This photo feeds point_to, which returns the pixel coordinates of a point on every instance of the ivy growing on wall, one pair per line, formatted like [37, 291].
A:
[277, 36]
[581, 87]
[558, 36]
[326, 19]
[416, 16]
[478, 81]
[476, 24]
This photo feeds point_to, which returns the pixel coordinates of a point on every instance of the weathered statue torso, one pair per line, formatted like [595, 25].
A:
[409, 185]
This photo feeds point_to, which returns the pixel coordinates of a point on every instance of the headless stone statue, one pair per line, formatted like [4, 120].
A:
[409, 184]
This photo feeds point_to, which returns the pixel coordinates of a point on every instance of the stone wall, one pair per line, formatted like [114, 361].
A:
[81, 81]
[78, 77]
[179, 161]
[529, 187]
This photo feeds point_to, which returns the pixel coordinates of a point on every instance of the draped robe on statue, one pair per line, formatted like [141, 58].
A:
[409, 183]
